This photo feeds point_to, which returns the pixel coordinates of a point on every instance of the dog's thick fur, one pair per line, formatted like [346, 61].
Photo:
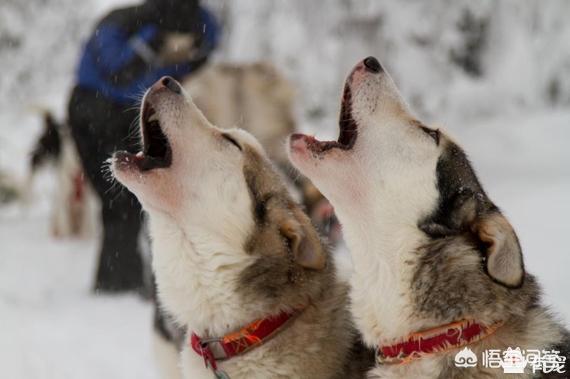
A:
[429, 247]
[231, 246]
[258, 98]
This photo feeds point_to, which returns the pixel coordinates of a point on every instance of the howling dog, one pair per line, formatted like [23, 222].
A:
[437, 266]
[257, 97]
[236, 260]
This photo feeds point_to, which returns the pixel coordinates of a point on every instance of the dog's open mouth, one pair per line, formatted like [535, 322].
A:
[347, 125]
[348, 130]
[156, 150]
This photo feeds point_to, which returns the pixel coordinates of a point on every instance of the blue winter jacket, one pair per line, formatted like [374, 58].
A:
[117, 60]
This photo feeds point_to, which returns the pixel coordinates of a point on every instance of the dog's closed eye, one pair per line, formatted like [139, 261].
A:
[433, 133]
[231, 140]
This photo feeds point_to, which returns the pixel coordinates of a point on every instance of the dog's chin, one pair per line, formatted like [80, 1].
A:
[126, 171]
[139, 164]
[156, 189]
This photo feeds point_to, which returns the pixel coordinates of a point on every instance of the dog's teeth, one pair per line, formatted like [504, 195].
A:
[153, 117]
[139, 154]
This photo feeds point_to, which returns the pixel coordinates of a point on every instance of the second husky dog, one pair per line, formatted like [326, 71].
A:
[437, 266]
[236, 260]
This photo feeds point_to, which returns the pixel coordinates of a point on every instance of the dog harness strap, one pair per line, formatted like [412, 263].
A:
[245, 339]
[435, 340]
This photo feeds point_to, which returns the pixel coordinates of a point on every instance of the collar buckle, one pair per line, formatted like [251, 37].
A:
[202, 347]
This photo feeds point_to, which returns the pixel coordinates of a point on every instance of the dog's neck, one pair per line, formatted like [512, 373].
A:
[383, 236]
[380, 285]
[197, 275]
[381, 239]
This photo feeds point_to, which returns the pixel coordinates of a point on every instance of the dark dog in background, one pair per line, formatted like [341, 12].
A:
[73, 204]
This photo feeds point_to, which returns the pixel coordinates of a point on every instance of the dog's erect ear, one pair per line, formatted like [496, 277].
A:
[305, 245]
[504, 256]
[471, 211]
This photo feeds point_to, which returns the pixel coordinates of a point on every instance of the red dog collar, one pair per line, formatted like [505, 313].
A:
[245, 339]
[435, 340]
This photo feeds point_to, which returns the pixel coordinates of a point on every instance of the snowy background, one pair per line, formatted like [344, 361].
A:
[495, 74]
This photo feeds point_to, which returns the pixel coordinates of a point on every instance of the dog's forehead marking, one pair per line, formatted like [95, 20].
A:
[455, 178]
[454, 171]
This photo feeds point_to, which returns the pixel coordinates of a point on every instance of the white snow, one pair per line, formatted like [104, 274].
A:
[51, 325]
[517, 135]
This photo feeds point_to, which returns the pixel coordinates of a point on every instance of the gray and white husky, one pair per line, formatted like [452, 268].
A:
[432, 253]
[230, 246]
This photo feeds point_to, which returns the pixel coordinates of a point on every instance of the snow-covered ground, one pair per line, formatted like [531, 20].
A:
[513, 119]
[52, 327]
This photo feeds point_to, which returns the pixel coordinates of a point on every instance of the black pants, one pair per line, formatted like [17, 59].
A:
[99, 128]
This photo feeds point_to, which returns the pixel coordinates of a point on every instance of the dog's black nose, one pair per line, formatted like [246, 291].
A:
[171, 84]
[373, 65]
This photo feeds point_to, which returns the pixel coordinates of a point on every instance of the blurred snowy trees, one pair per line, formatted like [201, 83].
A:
[453, 59]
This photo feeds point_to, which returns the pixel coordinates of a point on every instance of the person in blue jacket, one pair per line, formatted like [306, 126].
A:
[124, 56]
